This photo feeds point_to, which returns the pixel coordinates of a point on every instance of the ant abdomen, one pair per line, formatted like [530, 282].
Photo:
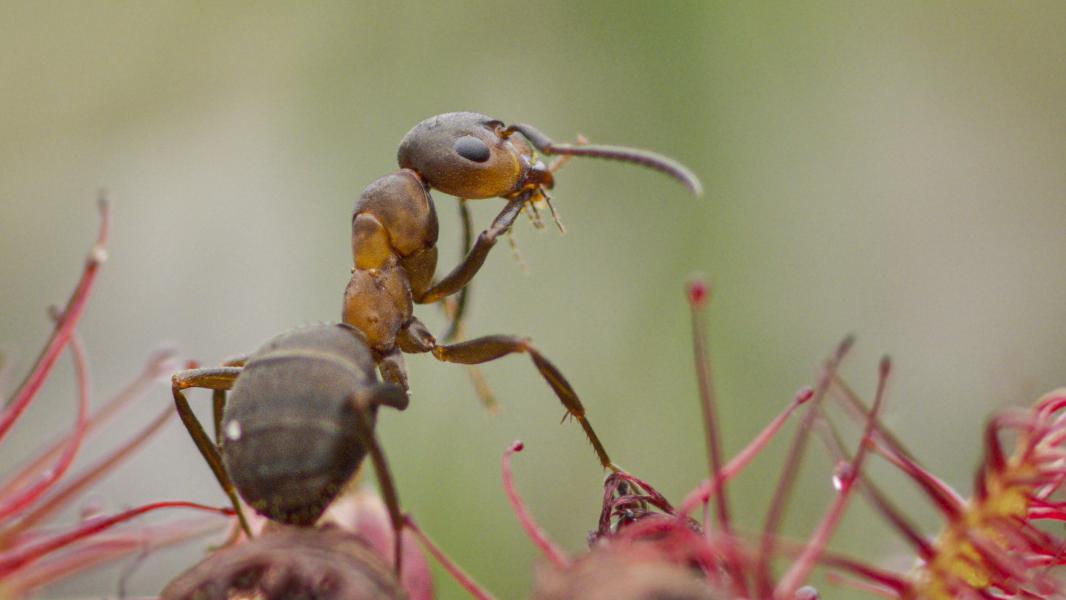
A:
[289, 436]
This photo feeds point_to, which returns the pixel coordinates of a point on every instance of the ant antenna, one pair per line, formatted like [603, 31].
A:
[652, 160]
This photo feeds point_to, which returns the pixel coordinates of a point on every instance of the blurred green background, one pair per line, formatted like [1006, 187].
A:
[890, 169]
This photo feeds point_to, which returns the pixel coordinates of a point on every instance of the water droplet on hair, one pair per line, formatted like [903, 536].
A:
[233, 430]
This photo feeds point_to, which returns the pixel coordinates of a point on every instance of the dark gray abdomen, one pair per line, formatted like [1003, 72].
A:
[290, 442]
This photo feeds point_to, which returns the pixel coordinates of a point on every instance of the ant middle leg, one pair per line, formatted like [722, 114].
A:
[219, 380]
[465, 270]
[489, 348]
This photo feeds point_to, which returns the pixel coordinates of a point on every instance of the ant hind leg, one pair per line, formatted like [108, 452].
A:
[392, 395]
[488, 348]
[416, 339]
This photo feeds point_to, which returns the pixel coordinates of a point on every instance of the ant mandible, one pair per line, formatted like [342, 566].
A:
[394, 237]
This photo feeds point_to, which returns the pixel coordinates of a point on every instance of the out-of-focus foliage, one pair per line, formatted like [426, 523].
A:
[890, 170]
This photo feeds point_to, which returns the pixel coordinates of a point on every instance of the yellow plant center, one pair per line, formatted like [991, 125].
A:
[956, 560]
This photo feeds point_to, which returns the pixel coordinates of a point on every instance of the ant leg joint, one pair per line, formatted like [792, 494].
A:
[415, 337]
[488, 236]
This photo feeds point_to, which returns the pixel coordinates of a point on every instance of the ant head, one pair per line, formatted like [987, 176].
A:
[470, 155]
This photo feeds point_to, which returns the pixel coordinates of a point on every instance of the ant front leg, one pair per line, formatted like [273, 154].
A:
[456, 309]
[465, 271]
[489, 348]
[365, 401]
[219, 379]
[456, 315]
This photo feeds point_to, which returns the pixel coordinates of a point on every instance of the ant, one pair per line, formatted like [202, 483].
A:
[297, 424]
[394, 237]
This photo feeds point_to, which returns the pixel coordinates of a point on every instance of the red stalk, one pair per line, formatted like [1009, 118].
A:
[457, 573]
[710, 487]
[17, 559]
[776, 513]
[552, 552]
[159, 363]
[795, 576]
[87, 477]
[697, 299]
[27, 390]
[27, 496]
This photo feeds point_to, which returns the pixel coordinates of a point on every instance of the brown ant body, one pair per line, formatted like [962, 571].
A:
[394, 237]
[297, 424]
[300, 414]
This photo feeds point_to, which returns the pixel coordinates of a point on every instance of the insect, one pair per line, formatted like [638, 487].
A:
[394, 237]
[297, 422]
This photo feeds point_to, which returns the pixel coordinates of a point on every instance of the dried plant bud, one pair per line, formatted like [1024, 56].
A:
[363, 513]
[290, 563]
[626, 573]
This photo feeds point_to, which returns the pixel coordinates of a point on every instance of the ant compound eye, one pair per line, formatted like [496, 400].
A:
[472, 149]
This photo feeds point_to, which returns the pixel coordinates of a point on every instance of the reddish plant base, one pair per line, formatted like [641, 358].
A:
[32, 556]
[989, 546]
